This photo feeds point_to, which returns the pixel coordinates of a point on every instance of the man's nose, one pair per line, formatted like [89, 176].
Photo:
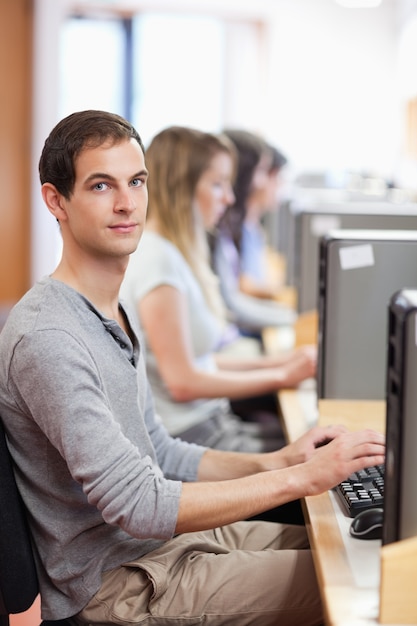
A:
[125, 200]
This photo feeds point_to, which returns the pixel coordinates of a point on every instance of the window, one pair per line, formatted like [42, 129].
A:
[179, 72]
[160, 69]
[92, 57]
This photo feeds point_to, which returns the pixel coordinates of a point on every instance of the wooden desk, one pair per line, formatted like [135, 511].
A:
[346, 601]
[348, 570]
[304, 332]
[361, 583]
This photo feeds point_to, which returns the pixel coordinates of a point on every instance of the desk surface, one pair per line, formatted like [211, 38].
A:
[348, 569]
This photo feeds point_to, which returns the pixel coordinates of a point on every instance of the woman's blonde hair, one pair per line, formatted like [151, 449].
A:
[176, 159]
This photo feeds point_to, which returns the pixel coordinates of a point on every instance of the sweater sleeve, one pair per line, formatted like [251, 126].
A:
[178, 459]
[247, 311]
[73, 435]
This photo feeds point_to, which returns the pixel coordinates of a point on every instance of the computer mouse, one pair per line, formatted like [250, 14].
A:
[368, 524]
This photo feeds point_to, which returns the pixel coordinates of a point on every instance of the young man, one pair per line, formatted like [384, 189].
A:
[129, 525]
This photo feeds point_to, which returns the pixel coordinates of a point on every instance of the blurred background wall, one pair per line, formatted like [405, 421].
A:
[15, 149]
[334, 87]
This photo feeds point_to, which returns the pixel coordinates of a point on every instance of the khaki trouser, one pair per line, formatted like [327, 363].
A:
[257, 573]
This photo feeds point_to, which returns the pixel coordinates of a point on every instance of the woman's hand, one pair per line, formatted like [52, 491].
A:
[301, 365]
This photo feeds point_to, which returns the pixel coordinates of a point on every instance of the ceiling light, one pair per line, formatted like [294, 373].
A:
[359, 4]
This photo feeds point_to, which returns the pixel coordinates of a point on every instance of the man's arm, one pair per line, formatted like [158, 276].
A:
[179, 460]
[251, 484]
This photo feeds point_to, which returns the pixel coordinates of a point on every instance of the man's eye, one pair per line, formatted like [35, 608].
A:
[100, 186]
[137, 182]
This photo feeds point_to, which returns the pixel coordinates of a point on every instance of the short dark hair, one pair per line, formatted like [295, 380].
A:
[80, 130]
[278, 160]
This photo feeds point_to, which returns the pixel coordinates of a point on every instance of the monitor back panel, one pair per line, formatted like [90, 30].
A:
[311, 222]
[400, 499]
[359, 272]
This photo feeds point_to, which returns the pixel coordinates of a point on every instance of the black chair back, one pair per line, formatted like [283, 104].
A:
[18, 578]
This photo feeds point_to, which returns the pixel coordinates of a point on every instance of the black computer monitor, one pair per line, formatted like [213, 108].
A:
[400, 498]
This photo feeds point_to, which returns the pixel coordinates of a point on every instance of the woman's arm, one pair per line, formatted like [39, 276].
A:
[254, 289]
[248, 311]
[164, 317]
[304, 353]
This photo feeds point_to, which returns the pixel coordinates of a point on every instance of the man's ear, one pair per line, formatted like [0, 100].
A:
[54, 201]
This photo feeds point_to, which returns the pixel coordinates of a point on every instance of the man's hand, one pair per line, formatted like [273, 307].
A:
[263, 481]
[347, 453]
[303, 448]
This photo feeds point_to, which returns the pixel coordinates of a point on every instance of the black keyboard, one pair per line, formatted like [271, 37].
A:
[362, 490]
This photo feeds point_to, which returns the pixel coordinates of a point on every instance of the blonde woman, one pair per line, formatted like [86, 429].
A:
[176, 296]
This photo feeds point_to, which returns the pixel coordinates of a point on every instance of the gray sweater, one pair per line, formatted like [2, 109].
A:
[98, 473]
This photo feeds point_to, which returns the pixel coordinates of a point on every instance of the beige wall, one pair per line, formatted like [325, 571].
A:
[15, 134]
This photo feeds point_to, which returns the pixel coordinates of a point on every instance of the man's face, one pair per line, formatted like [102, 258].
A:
[105, 216]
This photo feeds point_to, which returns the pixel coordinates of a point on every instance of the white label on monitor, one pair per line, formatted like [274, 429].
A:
[354, 257]
[321, 224]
